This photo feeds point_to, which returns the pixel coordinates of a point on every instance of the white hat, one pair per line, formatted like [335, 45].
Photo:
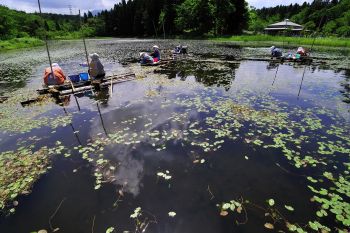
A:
[94, 56]
[272, 48]
[142, 54]
[55, 65]
[155, 47]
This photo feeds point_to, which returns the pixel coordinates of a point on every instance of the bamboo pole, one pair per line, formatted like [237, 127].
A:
[313, 43]
[47, 46]
[86, 53]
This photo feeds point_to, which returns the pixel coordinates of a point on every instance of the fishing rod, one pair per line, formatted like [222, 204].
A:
[47, 46]
[313, 43]
[86, 53]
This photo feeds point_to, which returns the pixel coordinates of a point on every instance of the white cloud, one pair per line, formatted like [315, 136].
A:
[62, 6]
[269, 3]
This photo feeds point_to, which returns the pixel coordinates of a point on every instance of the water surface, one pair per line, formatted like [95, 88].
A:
[221, 129]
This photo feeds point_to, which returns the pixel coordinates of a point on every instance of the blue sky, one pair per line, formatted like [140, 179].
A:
[61, 6]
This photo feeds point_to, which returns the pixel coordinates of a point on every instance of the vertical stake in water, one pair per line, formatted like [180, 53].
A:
[47, 46]
[312, 46]
[86, 53]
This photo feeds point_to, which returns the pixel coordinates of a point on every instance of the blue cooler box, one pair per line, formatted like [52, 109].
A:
[84, 76]
[74, 78]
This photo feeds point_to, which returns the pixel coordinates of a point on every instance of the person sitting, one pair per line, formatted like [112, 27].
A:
[145, 58]
[178, 49]
[302, 52]
[155, 54]
[276, 52]
[96, 69]
[58, 76]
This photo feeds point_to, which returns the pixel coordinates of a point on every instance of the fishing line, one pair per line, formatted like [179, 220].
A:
[313, 43]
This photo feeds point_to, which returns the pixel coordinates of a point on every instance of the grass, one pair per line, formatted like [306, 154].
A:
[28, 42]
[265, 40]
[17, 43]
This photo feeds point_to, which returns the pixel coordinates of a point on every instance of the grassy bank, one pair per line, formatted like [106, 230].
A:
[266, 40]
[18, 43]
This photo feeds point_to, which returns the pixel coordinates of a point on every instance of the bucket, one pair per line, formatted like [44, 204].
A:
[74, 78]
[84, 76]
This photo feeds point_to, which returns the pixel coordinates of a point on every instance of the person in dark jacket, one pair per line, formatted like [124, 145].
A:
[96, 69]
[275, 52]
[155, 54]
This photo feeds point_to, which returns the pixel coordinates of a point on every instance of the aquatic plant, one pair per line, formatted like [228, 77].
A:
[20, 169]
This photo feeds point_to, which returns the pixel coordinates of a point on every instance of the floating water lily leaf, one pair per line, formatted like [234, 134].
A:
[137, 213]
[271, 202]
[172, 214]
[269, 226]
[42, 231]
[291, 227]
[110, 230]
[223, 213]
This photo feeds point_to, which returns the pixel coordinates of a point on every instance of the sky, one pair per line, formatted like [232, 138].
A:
[62, 6]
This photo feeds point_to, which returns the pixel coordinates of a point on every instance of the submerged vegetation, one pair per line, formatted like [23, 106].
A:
[165, 138]
[19, 170]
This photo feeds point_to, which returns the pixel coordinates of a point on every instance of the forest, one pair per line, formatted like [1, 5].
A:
[158, 18]
[331, 18]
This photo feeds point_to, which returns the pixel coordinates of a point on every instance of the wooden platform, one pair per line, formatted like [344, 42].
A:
[67, 88]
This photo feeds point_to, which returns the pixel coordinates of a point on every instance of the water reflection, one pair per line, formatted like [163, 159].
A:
[219, 74]
[153, 100]
[346, 87]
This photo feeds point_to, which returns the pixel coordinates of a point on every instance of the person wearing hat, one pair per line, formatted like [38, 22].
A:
[58, 76]
[275, 52]
[302, 52]
[96, 69]
[155, 54]
[145, 58]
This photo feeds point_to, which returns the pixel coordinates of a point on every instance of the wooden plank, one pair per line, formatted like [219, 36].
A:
[81, 84]
[103, 84]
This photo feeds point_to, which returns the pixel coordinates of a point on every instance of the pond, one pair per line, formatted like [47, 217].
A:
[210, 142]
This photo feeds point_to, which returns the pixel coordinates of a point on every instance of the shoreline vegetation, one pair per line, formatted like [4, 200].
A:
[243, 40]
[188, 19]
[268, 40]
[20, 43]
